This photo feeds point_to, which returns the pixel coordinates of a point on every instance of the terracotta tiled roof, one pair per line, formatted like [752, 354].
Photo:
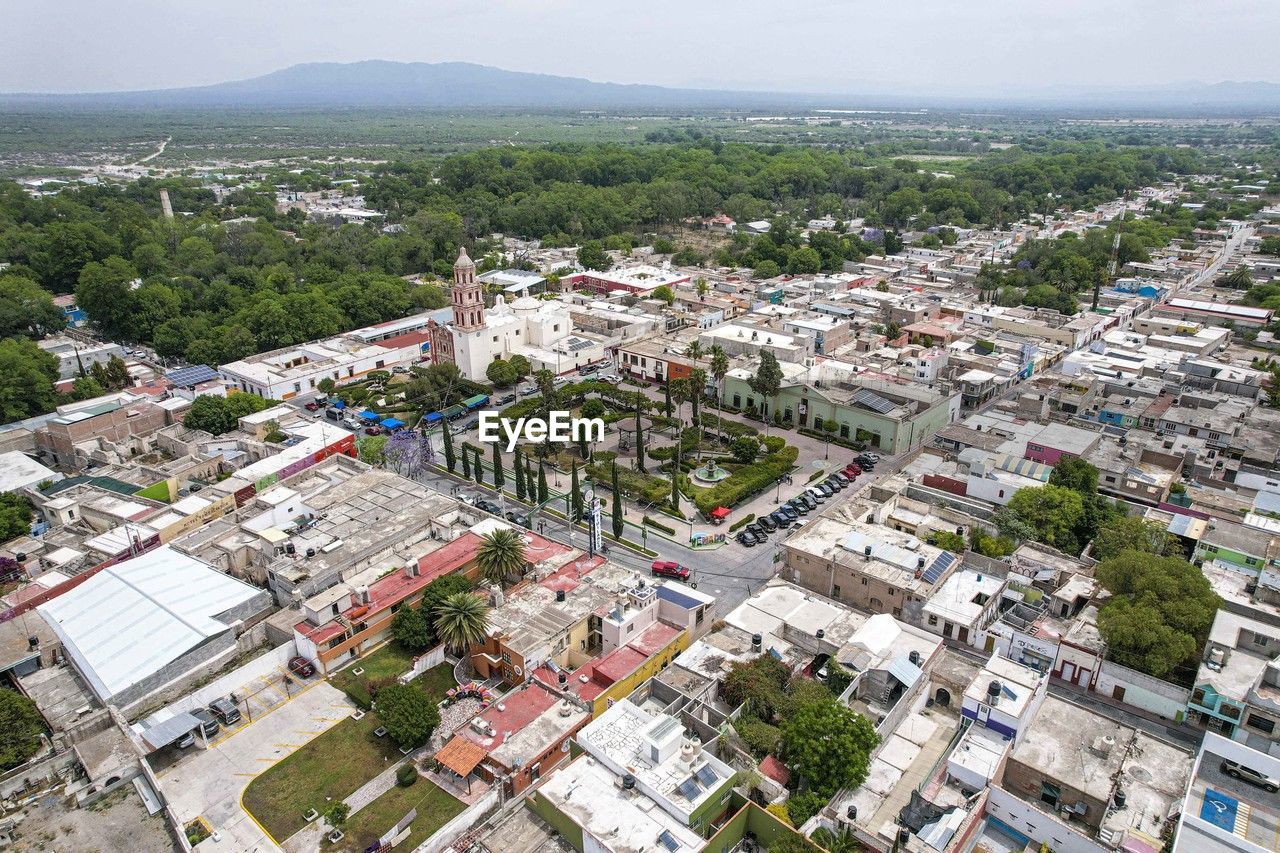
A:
[461, 755]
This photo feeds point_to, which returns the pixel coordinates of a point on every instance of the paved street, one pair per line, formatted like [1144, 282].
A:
[211, 782]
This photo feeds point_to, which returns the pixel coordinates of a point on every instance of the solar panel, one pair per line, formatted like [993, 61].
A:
[873, 401]
[690, 789]
[940, 565]
[706, 775]
[667, 840]
[579, 344]
[194, 375]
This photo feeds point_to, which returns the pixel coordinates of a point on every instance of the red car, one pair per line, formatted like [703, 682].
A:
[303, 667]
[312, 406]
[373, 430]
[852, 471]
[668, 569]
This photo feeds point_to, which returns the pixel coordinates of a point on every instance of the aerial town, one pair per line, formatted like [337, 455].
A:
[934, 504]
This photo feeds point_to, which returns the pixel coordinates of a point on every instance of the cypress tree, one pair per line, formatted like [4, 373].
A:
[466, 462]
[450, 461]
[477, 466]
[519, 473]
[543, 492]
[499, 478]
[639, 441]
[575, 494]
[617, 505]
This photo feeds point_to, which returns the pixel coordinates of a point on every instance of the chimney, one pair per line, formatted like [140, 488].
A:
[560, 595]
[411, 568]
[993, 693]
[757, 643]
[562, 679]
[866, 552]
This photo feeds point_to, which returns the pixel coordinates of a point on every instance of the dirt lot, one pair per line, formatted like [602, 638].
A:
[119, 821]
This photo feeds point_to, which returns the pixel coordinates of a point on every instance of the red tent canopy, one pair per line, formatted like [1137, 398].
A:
[720, 512]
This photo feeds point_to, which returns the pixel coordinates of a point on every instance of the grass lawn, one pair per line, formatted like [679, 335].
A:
[435, 809]
[333, 765]
[387, 662]
[342, 759]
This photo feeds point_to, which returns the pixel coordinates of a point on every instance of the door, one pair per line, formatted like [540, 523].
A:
[984, 714]
[1082, 676]
[1068, 671]
[1117, 693]
[990, 644]
[963, 635]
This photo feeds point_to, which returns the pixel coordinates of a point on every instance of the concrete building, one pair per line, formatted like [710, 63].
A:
[638, 280]
[516, 741]
[1078, 781]
[151, 623]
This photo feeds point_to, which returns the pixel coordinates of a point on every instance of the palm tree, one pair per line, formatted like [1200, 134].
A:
[842, 842]
[694, 351]
[719, 369]
[462, 620]
[501, 555]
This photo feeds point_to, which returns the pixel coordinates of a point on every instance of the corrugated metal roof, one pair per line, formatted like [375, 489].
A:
[905, 671]
[130, 620]
[164, 733]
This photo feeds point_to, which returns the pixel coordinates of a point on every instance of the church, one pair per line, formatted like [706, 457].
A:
[541, 330]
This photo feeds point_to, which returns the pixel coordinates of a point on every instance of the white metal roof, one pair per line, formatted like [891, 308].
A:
[129, 620]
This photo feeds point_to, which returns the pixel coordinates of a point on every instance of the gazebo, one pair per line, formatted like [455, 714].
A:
[461, 757]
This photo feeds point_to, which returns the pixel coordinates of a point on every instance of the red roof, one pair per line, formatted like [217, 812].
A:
[397, 586]
[775, 770]
[518, 709]
[608, 669]
[406, 340]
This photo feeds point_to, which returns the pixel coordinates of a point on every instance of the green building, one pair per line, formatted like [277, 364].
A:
[888, 415]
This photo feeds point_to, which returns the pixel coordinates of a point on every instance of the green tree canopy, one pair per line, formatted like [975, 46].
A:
[22, 725]
[409, 628]
[27, 309]
[1133, 533]
[409, 714]
[27, 374]
[829, 745]
[15, 516]
[462, 620]
[1052, 512]
[1159, 613]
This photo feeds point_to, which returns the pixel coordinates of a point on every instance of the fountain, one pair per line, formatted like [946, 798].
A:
[710, 473]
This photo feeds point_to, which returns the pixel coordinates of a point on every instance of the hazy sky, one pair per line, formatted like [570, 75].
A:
[939, 46]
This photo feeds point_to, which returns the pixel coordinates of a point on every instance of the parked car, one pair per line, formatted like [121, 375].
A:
[863, 458]
[505, 399]
[186, 740]
[208, 722]
[760, 536]
[756, 529]
[312, 406]
[745, 539]
[852, 471]
[1236, 770]
[333, 414]
[788, 513]
[489, 507]
[519, 518]
[779, 518]
[825, 489]
[814, 495]
[799, 507]
[227, 713]
[834, 483]
[588, 369]
[301, 666]
[767, 523]
[610, 378]
[840, 477]
[373, 430]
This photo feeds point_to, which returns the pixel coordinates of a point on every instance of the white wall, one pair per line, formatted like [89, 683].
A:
[1041, 826]
[265, 664]
[1142, 691]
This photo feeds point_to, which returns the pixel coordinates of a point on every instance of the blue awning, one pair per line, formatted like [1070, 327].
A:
[392, 423]
[339, 405]
[370, 415]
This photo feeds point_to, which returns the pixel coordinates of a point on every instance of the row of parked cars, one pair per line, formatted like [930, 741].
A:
[790, 514]
[518, 518]
[223, 711]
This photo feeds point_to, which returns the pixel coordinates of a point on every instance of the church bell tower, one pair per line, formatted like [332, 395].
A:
[467, 297]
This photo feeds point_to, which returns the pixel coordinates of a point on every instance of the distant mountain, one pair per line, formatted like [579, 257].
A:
[463, 85]
[443, 85]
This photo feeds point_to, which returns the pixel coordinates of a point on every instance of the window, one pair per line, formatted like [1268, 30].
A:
[835, 591]
[864, 581]
[737, 401]
[556, 327]
[631, 627]
[933, 620]
[700, 616]
[1262, 724]
[1110, 479]
[297, 387]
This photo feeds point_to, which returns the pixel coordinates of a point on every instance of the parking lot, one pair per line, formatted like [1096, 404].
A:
[210, 782]
[1245, 810]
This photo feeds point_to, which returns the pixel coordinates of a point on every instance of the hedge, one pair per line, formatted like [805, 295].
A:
[742, 522]
[657, 525]
[748, 481]
[848, 443]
